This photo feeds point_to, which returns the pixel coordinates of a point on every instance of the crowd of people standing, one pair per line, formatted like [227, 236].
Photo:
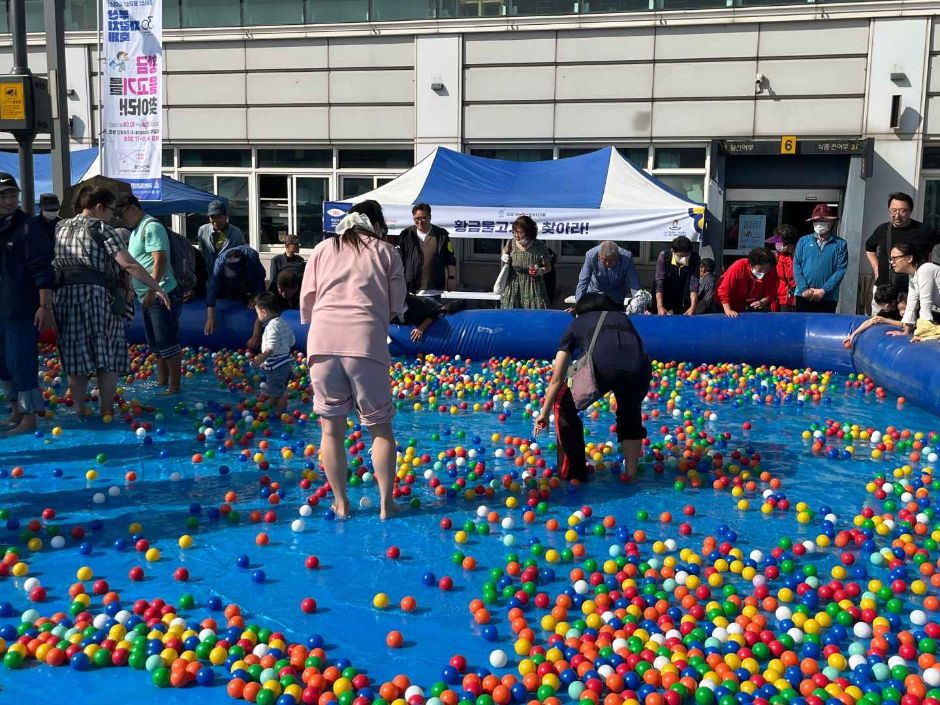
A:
[86, 274]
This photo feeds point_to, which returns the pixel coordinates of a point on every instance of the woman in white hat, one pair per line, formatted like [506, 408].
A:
[353, 285]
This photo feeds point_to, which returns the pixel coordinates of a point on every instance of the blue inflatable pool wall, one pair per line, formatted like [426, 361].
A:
[788, 339]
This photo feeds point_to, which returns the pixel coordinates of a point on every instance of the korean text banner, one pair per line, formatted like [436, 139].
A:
[132, 94]
[553, 223]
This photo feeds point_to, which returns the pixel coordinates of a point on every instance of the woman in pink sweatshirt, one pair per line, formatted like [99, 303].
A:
[353, 285]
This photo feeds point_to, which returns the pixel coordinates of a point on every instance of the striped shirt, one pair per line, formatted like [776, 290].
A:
[277, 339]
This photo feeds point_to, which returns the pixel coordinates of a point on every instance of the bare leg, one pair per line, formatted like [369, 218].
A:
[281, 405]
[333, 458]
[173, 373]
[78, 388]
[27, 424]
[107, 387]
[383, 463]
[632, 450]
[162, 372]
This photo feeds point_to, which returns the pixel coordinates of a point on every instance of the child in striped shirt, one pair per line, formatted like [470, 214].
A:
[276, 342]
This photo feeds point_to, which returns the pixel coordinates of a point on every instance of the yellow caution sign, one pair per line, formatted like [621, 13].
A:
[12, 101]
[788, 144]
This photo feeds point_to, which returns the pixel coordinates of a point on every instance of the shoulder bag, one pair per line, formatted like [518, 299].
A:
[581, 377]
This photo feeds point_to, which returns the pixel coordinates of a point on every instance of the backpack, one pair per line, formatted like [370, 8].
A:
[182, 260]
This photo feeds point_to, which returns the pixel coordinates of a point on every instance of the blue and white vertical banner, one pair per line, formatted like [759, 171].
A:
[132, 94]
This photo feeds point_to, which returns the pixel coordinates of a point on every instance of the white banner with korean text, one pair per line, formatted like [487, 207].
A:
[132, 67]
[570, 224]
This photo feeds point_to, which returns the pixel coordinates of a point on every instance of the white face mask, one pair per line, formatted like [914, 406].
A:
[822, 228]
[779, 247]
[524, 242]
[682, 261]
[50, 215]
[757, 274]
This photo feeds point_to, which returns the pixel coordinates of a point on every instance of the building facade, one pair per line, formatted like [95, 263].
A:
[757, 109]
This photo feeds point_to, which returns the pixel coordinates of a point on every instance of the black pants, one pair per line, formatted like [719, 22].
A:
[806, 306]
[630, 390]
[786, 308]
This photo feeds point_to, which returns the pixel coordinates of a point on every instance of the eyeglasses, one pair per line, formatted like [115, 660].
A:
[899, 211]
[895, 258]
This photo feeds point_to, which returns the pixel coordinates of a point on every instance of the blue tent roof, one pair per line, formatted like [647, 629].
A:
[177, 196]
[576, 182]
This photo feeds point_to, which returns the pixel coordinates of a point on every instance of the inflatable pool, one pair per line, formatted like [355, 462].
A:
[788, 339]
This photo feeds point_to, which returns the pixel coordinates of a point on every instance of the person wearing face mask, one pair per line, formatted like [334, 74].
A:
[48, 216]
[784, 242]
[27, 281]
[750, 284]
[529, 261]
[677, 280]
[819, 264]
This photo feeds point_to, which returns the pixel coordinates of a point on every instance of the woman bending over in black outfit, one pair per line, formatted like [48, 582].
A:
[621, 366]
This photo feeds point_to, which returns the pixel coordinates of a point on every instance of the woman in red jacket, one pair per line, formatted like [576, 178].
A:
[785, 239]
[750, 284]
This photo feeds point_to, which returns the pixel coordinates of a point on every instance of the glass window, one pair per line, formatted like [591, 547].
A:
[487, 246]
[931, 158]
[691, 4]
[4, 17]
[227, 158]
[34, 18]
[638, 156]
[81, 15]
[323, 11]
[263, 12]
[542, 7]
[356, 186]
[235, 190]
[171, 14]
[766, 212]
[615, 5]
[515, 155]
[376, 158]
[932, 203]
[565, 152]
[308, 207]
[471, 8]
[575, 248]
[679, 158]
[302, 158]
[274, 207]
[384, 10]
[211, 13]
[205, 182]
[167, 157]
[692, 187]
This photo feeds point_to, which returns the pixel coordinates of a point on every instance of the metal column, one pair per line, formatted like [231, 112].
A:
[53, 11]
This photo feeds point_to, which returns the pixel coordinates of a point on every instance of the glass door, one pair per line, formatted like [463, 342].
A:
[309, 194]
[751, 215]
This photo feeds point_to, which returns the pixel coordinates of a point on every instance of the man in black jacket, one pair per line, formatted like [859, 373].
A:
[430, 263]
[48, 216]
[26, 289]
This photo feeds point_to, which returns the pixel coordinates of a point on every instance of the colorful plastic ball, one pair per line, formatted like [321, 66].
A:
[394, 639]
[498, 658]
[308, 605]
[258, 576]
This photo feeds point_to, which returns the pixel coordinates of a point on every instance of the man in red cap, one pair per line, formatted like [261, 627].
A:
[819, 264]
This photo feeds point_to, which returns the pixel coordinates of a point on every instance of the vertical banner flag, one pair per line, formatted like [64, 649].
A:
[132, 54]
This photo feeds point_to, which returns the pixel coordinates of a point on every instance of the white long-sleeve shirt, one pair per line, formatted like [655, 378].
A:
[923, 294]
